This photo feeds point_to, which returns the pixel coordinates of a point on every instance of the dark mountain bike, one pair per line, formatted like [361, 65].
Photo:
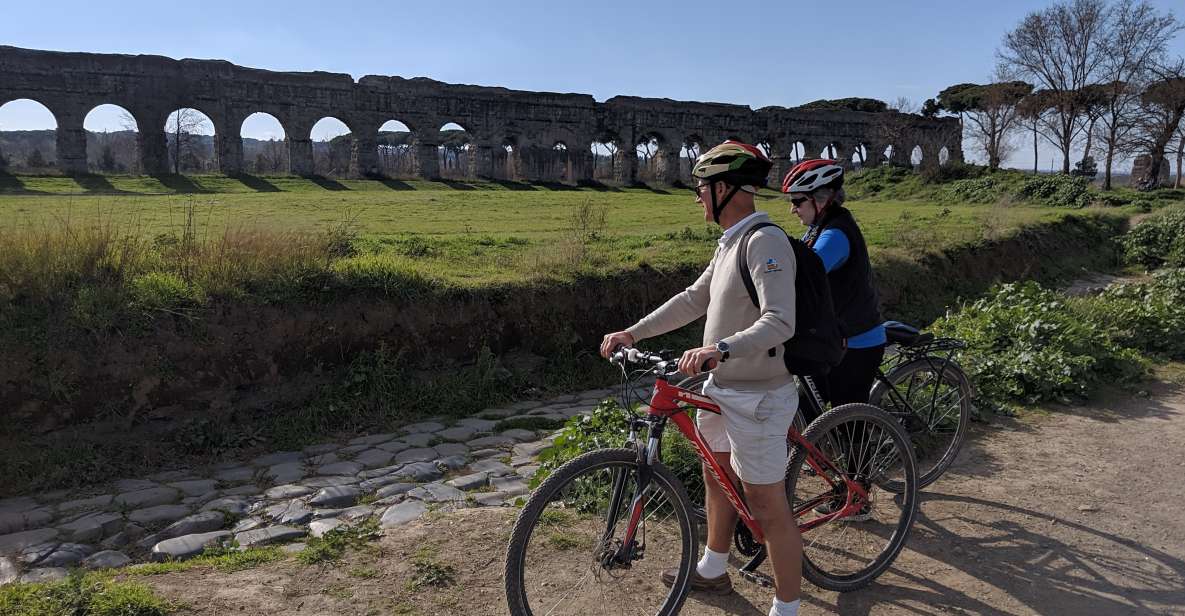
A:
[597, 534]
[928, 392]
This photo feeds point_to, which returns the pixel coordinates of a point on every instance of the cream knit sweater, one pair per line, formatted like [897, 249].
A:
[720, 294]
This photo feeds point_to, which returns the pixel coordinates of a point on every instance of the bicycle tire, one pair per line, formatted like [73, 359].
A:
[551, 488]
[827, 425]
[953, 376]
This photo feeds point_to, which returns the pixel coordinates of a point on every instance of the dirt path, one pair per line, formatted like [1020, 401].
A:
[1076, 513]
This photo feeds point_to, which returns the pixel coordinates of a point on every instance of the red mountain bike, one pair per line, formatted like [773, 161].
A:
[596, 535]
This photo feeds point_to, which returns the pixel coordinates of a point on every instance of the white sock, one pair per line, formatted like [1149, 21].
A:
[784, 608]
[713, 564]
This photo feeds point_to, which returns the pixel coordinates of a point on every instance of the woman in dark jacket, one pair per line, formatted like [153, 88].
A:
[817, 197]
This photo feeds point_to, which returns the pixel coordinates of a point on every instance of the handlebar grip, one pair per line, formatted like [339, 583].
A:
[709, 364]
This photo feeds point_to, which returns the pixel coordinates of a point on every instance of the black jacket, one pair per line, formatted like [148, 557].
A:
[857, 304]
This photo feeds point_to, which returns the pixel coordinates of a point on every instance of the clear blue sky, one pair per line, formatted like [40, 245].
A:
[753, 53]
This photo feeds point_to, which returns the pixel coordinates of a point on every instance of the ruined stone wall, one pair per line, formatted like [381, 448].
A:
[513, 134]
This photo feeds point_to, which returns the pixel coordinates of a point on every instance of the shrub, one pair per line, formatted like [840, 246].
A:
[607, 426]
[1056, 190]
[951, 171]
[1157, 241]
[164, 291]
[978, 190]
[1149, 316]
[1027, 344]
[1112, 200]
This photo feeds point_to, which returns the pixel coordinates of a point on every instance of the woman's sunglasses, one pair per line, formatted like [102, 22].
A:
[798, 201]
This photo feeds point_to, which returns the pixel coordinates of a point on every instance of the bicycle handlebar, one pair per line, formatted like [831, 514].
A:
[661, 360]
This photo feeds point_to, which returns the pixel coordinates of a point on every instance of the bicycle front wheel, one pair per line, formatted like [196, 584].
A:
[864, 445]
[932, 400]
[568, 552]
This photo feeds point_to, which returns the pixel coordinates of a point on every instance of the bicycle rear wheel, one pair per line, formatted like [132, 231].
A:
[931, 398]
[561, 557]
[866, 445]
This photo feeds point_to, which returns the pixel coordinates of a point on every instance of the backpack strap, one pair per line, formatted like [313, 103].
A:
[743, 263]
[743, 260]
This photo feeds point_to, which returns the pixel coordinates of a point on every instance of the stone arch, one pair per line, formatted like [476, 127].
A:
[36, 153]
[393, 149]
[797, 152]
[190, 141]
[265, 144]
[113, 140]
[647, 150]
[693, 147]
[332, 142]
[455, 152]
[917, 156]
[657, 158]
[860, 156]
[563, 163]
[604, 148]
[943, 156]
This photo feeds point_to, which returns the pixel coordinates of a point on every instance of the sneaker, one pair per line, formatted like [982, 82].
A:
[715, 586]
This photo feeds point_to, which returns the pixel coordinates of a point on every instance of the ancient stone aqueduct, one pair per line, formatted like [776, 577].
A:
[533, 123]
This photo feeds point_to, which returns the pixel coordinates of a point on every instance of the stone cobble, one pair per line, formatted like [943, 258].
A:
[283, 496]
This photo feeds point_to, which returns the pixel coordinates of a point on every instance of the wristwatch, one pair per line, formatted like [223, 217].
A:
[722, 348]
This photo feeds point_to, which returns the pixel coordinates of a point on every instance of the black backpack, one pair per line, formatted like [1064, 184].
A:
[817, 345]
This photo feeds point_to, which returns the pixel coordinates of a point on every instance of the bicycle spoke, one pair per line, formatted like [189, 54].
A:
[842, 541]
[571, 562]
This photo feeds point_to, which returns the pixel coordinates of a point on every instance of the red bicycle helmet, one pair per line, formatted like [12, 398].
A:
[811, 175]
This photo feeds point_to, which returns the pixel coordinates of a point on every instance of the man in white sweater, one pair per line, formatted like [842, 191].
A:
[752, 387]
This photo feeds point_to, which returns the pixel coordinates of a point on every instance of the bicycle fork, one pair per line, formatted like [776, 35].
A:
[628, 548]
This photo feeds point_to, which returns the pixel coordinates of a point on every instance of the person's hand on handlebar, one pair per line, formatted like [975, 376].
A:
[694, 360]
[614, 340]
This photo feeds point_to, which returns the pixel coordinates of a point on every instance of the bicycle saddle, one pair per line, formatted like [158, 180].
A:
[905, 335]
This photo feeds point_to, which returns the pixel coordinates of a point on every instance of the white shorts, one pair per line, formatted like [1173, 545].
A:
[753, 427]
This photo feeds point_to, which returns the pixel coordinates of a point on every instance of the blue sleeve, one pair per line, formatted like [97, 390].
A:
[833, 248]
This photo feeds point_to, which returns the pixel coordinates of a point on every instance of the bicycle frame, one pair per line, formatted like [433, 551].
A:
[670, 402]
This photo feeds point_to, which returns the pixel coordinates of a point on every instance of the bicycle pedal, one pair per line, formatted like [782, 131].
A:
[758, 578]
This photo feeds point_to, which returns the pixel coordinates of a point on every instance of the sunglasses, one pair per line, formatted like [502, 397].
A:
[698, 187]
[798, 201]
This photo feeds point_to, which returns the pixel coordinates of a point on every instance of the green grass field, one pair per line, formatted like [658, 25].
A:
[464, 233]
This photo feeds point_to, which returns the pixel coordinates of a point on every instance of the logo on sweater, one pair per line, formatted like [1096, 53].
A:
[771, 265]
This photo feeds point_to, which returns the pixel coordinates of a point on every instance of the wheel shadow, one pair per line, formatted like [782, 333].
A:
[1093, 573]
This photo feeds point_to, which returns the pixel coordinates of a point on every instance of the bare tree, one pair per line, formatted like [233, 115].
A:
[1162, 106]
[1030, 109]
[184, 127]
[125, 143]
[1136, 38]
[1062, 49]
[903, 104]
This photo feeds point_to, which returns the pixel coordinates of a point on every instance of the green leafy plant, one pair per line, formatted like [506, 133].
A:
[1149, 315]
[1028, 344]
[608, 426]
[1157, 241]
